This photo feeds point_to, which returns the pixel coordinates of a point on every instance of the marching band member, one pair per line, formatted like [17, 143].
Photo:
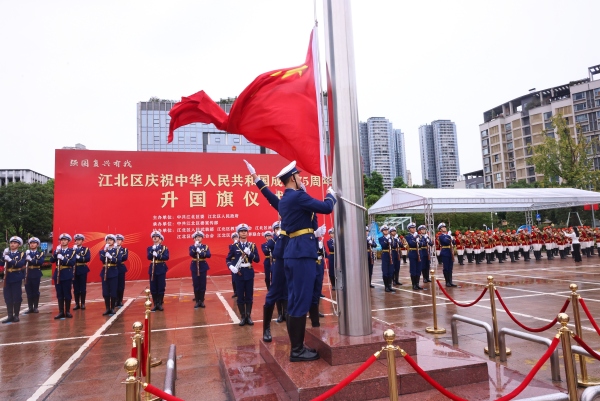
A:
[489, 246]
[499, 238]
[412, 241]
[122, 256]
[14, 262]
[246, 253]
[387, 266]
[82, 256]
[109, 274]
[33, 274]
[468, 240]
[460, 247]
[476, 241]
[65, 259]
[548, 238]
[199, 267]
[158, 254]
[446, 253]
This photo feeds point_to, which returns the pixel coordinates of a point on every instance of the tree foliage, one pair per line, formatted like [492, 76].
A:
[566, 157]
[27, 209]
[399, 183]
[428, 184]
[374, 188]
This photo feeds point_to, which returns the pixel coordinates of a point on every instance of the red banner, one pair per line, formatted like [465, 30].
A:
[133, 193]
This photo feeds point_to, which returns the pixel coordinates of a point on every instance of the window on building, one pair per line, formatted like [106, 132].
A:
[530, 171]
[598, 115]
[527, 140]
[509, 146]
[511, 155]
[498, 176]
[581, 118]
[236, 140]
[531, 179]
[585, 128]
[484, 143]
[508, 126]
[486, 151]
[578, 95]
[547, 115]
[525, 121]
[597, 103]
[580, 106]
[484, 133]
[548, 126]
[496, 158]
[487, 169]
[192, 138]
[597, 92]
[509, 137]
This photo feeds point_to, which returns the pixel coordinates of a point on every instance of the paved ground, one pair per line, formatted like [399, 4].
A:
[82, 358]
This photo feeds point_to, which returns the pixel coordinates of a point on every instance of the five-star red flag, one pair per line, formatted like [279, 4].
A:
[278, 110]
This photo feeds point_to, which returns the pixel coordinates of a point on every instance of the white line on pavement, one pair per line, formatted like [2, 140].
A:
[56, 376]
[232, 314]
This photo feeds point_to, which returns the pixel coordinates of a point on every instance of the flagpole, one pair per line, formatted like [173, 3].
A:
[354, 299]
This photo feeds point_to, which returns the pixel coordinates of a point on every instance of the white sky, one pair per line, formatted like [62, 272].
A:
[73, 71]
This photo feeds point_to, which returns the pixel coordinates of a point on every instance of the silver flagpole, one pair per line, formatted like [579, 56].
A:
[354, 298]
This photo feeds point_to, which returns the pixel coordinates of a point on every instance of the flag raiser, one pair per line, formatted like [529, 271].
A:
[279, 110]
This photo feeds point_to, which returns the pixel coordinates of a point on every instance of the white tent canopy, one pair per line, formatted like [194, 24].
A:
[417, 200]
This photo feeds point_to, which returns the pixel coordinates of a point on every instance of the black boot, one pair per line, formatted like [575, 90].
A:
[161, 300]
[107, 306]
[242, 308]
[280, 317]
[512, 257]
[201, 303]
[416, 285]
[68, 309]
[296, 330]
[30, 305]
[450, 280]
[248, 313]
[113, 305]
[396, 278]
[477, 259]
[319, 309]
[268, 283]
[426, 276]
[386, 285]
[77, 307]
[461, 258]
[284, 308]
[10, 312]
[82, 300]
[61, 309]
[404, 258]
[197, 298]
[36, 301]
[267, 317]
[313, 313]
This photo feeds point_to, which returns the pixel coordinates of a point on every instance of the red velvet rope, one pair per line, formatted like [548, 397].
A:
[144, 357]
[134, 352]
[589, 315]
[159, 393]
[539, 329]
[458, 303]
[347, 380]
[507, 397]
[586, 347]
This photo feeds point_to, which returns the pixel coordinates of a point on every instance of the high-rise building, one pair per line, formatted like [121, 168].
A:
[8, 176]
[364, 147]
[439, 153]
[399, 154]
[510, 131]
[381, 142]
[153, 128]
[409, 178]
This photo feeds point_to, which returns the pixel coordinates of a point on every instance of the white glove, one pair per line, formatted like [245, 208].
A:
[331, 191]
[387, 236]
[247, 251]
[321, 231]
[154, 246]
[251, 169]
[28, 251]
[28, 258]
[75, 247]
[78, 257]
[108, 256]
[426, 236]
[7, 258]
[198, 250]
[60, 256]
[155, 254]
[233, 269]
[105, 247]
[197, 243]
[320, 244]
[320, 257]
[5, 251]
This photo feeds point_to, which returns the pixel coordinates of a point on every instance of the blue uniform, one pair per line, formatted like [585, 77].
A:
[317, 291]
[267, 250]
[396, 256]
[331, 261]
[199, 268]
[63, 274]
[297, 210]
[387, 267]
[157, 271]
[413, 254]
[424, 262]
[446, 253]
[244, 279]
[82, 258]
[13, 276]
[371, 244]
[34, 274]
[122, 256]
[109, 273]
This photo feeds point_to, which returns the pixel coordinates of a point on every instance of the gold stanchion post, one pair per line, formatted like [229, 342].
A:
[565, 336]
[435, 329]
[491, 290]
[584, 382]
[154, 362]
[148, 304]
[137, 343]
[132, 385]
[389, 336]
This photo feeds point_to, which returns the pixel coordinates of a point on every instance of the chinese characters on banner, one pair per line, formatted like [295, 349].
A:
[133, 193]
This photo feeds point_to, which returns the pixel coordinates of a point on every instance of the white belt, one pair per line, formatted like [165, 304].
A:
[245, 264]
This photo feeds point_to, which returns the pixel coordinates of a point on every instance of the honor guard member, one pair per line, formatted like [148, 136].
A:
[64, 258]
[424, 243]
[199, 268]
[412, 240]
[331, 258]
[33, 274]
[446, 253]
[387, 265]
[14, 262]
[277, 294]
[246, 253]
[371, 244]
[313, 312]
[297, 210]
[82, 258]
[109, 274]
[122, 256]
[267, 250]
[158, 254]
[395, 254]
[235, 238]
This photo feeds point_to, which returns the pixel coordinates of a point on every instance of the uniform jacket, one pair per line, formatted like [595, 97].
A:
[123, 255]
[236, 251]
[199, 265]
[160, 267]
[446, 241]
[267, 250]
[35, 265]
[109, 266]
[18, 262]
[279, 241]
[82, 258]
[413, 244]
[68, 260]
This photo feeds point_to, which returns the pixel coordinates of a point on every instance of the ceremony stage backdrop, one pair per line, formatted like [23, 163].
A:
[133, 193]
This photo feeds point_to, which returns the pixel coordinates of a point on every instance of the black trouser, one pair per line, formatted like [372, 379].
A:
[576, 252]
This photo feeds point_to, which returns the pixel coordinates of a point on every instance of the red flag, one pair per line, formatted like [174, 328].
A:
[278, 110]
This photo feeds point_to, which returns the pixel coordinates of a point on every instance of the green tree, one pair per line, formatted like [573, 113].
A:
[374, 184]
[524, 184]
[566, 157]
[27, 209]
[399, 183]
[428, 184]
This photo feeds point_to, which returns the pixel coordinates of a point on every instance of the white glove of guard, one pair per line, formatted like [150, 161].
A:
[7, 258]
[154, 246]
[197, 243]
[75, 247]
[321, 231]
[28, 251]
[28, 258]
[78, 257]
[155, 254]
[105, 247]
[251, 169]
[387, 236]
[108, 256]
[247, 251]
[426, 236]
[320, 244]
[331, 191]
[5, 251]
[233, 269]
[198, 250]
[60, 256]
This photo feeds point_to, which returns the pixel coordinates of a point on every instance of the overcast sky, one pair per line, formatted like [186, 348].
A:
[73, 71]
